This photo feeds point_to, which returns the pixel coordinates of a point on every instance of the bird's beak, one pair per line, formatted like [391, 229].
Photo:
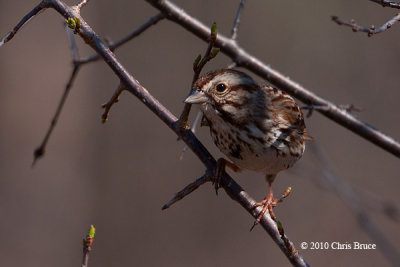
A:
[196, 97]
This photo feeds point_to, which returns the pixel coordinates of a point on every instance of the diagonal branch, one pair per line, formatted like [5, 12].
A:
[114, 45]
[245, 60]
[133, 86]
[237, 20]
[114, 99]
[187, 190]
[371, 30]
[82, 4]
[24, 20]
[387, 3]
[77, 63]
[40, 151]
[235, 29]
[198, 66]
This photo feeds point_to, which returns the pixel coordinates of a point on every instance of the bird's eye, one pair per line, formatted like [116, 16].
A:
[220, 87]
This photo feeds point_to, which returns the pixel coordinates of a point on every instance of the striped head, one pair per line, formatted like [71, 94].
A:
[226, 93]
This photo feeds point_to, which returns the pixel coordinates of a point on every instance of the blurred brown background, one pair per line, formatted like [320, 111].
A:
[118, 175]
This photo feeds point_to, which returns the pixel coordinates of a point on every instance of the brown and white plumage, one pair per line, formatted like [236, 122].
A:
[259, 128]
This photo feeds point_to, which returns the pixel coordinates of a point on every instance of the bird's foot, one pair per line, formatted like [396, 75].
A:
[269, 203]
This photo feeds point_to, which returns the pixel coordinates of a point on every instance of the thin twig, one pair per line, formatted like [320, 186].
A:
[77, 63]
[82, 4]
[193, 128]
[232, 65]
[187, 190]
[114, 99]
[133, 86]
[87, 246]
[114, 45]
[72, 44]
[348, 108]
[371, 30]
[23, 22]
[237, 20]
[245, 60]
[387, 3]
[198, 65]
[41, 150]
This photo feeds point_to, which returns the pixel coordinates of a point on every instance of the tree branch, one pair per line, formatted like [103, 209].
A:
[87, 246]
[133, 86]
[77, 63]
[23, 21]
[114, 45]
[236, 22]
[40, 150]
[187, 190]
[114, 99]
[387, 3]
[82, 4]
[371, 30]
[245, 60]
[198, 65]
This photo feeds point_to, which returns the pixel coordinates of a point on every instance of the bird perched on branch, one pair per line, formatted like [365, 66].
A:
[258, 128]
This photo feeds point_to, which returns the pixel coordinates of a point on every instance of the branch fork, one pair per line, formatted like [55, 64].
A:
[114, 99]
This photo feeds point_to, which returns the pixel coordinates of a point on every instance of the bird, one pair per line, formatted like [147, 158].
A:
[257, 127]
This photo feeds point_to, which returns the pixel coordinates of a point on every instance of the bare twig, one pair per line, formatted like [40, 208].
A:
[113, 46]
[193, 128]
[23, 21]
[87, 246]
[245, 60]
[77, 63]
[114, 99]
[232, 65]
[348, 107]
[371, 30]
[237, 20]
[198, 65]
[352, 200]
[82, 4]
[187, 190]
[72, 45]
[133, 86]
[387, 3]
[41, 150]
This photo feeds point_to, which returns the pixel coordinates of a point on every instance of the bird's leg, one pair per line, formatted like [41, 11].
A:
[219, 170]
[269, 202]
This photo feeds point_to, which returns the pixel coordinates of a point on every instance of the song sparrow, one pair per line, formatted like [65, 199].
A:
[258, 128]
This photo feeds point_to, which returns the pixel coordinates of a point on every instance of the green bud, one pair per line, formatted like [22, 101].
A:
[280, 227]
[77, 22]
[71, 23]
[214, 52]
[196, 61]
[214, 29]
[91, 232]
